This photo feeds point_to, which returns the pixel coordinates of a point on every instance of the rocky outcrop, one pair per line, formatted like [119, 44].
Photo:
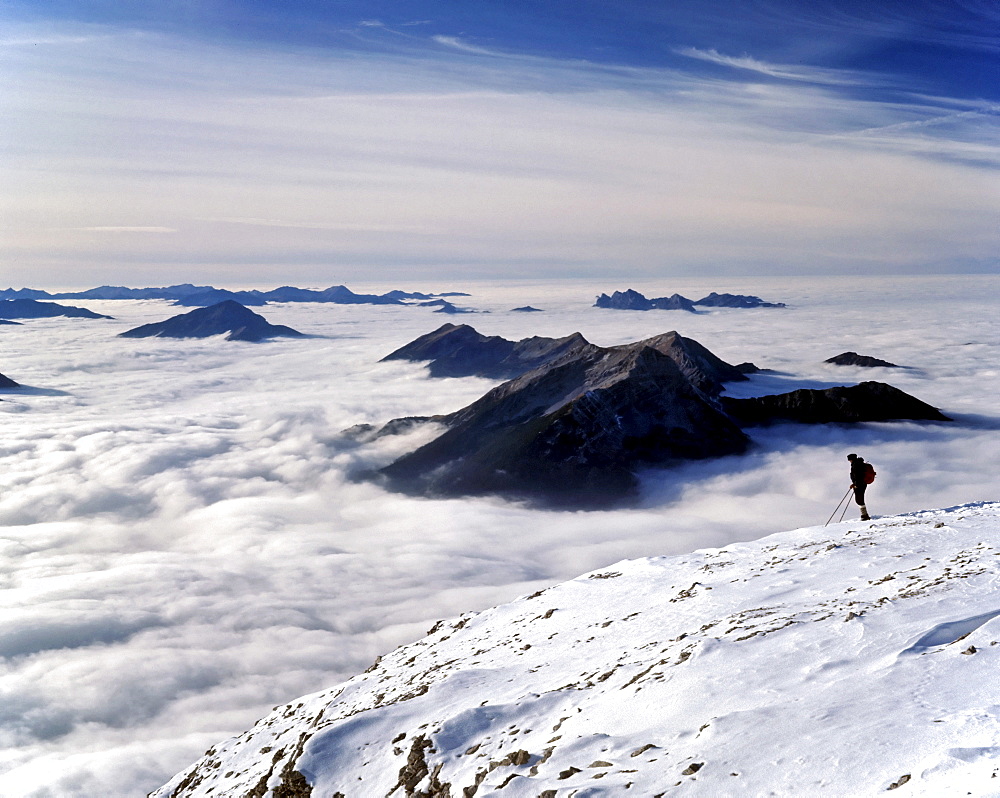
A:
[447, 307]
[526, 309]
[869, 401]
[231, 318]
[458, 350]
[714, 300]
[571, 432]
[7, 382]
[33, 309]
[854, 359]
[633, 300]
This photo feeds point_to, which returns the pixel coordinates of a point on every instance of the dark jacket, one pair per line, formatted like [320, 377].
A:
[859, 470]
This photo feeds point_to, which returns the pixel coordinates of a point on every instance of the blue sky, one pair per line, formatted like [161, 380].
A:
[319, 142]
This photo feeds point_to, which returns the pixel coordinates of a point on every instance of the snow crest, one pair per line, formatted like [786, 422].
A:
[847, 660]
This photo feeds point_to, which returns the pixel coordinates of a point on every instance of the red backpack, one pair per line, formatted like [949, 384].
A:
[869, 474]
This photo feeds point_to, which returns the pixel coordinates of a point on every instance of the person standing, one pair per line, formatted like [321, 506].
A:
[859, 481]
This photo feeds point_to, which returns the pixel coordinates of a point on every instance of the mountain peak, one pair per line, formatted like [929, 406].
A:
[228, 317]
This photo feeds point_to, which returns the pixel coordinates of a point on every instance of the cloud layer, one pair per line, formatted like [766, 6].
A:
[180, 548]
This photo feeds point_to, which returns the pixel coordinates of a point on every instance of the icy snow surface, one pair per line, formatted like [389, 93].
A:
[825, 661]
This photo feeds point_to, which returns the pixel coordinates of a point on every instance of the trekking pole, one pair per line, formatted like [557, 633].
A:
[848, 504]
[828, 520]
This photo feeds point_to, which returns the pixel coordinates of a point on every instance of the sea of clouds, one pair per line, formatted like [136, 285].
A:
[182, 546]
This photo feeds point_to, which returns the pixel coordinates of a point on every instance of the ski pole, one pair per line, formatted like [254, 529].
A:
[828, 520]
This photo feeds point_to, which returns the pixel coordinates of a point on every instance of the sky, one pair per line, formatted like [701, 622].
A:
[314, 143]
[183, 546]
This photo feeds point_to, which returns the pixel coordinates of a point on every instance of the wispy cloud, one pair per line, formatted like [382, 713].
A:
[127, 229]
[447, 160]
[335, 226]
[785, 72]
[456, 43]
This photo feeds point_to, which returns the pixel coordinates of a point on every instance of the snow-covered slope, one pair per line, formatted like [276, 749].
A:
[844, 661]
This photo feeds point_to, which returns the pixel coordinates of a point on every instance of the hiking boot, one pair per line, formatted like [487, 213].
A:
[864, 514]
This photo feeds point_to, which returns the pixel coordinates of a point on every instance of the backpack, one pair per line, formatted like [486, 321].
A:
[869, 474]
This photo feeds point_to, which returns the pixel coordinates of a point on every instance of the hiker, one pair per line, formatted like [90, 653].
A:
[859, 481]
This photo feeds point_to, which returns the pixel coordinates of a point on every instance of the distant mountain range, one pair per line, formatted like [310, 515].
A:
[230, 317]
[633, 300]
[204, 295]
[33, 309]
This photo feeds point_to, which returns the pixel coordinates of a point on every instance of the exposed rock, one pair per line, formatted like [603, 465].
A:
[714, 300]
[460, 351]
[633, 300]
[7, 382]
[869, 401]
[447, 307]
[526, 309]
[241, 324]
[33, 309]
[571, 431]
[854, 359]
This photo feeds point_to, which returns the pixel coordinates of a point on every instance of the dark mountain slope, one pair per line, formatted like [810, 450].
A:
[33, 309]
[241, 324]
[571, 431]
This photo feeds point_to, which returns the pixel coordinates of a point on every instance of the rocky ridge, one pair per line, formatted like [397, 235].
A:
[187, 294]
[854, 359]
[633, 300]
[572, 429]
[760, 668]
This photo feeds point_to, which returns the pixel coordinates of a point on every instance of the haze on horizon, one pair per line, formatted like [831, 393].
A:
[316, 143]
